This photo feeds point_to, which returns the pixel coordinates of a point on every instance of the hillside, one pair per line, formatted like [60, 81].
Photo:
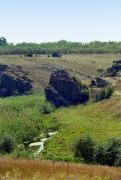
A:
[25, 119]
[38, 69]
[28, 119]
[100, 120]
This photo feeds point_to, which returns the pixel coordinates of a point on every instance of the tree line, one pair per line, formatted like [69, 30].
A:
[63, 47]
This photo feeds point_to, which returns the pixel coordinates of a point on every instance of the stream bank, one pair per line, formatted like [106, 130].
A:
[41, 143]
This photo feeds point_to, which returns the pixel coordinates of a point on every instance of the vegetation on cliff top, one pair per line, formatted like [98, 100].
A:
[61, 47]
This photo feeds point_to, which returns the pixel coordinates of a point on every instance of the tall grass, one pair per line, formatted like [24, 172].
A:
[21, 118]
[37, 170]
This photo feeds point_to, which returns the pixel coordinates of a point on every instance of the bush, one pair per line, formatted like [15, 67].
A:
[21, 152]
[84, 149]
[29, 54]
[105, 93]
[110, 153]
[118, 161]
[84, 93]
[47, 108]
[100, 154]
[56, 54]
[7, 144]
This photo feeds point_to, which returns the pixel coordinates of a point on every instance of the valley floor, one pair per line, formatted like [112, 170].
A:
[100, 120]
[28, 119]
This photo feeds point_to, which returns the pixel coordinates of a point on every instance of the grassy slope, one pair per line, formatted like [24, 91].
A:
[21, 118]
[100, 120]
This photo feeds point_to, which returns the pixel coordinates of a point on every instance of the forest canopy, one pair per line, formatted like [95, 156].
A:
[63, 47]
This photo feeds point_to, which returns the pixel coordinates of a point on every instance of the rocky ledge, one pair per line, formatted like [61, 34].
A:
[13, 81]
[65, 90]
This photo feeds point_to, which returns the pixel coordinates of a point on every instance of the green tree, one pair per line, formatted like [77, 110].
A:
[3, 41]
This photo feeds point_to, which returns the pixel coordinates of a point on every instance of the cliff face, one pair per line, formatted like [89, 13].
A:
[64, 90]
[13, 81]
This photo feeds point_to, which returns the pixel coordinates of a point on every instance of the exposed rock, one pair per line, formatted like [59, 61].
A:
[99, 82]
[115, 70]
[13, 81]
[117, 62]
[65, 90]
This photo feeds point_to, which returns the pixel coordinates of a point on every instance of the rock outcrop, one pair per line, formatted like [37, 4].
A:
[65, 90]
[13, 81]
[99, 82]
[115, 70]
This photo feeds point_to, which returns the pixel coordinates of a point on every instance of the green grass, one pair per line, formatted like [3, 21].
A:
[21, 118]
[100, 120]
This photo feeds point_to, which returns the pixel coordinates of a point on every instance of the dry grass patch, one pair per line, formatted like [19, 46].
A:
[24, 169]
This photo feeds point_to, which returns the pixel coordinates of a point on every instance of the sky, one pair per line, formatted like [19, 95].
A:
[54, 20]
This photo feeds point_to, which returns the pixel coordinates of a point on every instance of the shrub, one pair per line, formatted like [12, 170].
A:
[21, 152]
[112, 151]
[100, 154]
[84, 93]
[30, 131]
[84, 149]
[56, 54]
[7, 144]
[118, 161]
[47, 108]
[108, 153]
[29, 54]
[105, 93]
